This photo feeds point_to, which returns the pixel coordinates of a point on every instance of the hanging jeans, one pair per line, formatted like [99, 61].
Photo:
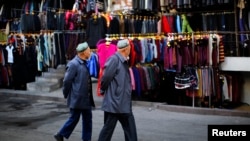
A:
[60, 21]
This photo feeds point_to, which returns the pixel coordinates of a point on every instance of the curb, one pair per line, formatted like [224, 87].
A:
[155, 105]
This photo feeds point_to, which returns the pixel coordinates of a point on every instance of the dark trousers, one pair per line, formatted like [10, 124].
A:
[71, 123]
[128, 124]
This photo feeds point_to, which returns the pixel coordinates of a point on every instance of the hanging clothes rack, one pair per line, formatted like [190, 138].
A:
[25, 11]
[192, 36]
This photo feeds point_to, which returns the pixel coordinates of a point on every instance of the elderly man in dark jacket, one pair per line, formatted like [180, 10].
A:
[117, 88]
[77, 88]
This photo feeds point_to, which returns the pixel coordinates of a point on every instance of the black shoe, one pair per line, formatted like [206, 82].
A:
[58, 137]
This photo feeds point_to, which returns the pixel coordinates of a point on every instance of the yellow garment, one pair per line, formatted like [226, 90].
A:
[107, 17]
[3, 37]
[199, 91]
[7, 28]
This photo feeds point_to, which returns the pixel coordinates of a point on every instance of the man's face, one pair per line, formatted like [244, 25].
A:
[87, 53]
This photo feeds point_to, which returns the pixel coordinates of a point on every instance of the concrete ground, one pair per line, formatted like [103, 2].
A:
[36, 116]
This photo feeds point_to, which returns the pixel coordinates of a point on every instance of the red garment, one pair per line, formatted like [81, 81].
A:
[4, 75]
[143, 80]
[1, 57]
[166, 63]
[165, 25]
[132, 56]
[98, 88]
[157, 42]
[192, 93]
[236, 88]
[11, 39]
[70, 20]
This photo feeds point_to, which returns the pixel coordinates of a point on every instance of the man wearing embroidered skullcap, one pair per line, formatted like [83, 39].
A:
[77, 89]
[116, 89]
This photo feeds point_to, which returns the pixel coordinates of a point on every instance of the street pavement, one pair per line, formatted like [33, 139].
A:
[36, 116]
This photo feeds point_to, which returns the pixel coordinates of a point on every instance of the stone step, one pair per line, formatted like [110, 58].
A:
[48, 81]
[60, 67]
[60, 70]
[53, 74]
[42, 86]
[50, 78]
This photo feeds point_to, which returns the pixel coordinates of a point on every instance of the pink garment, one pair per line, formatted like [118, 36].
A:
[70, 20]
[104, 51]
[132, 78]
[159, 27]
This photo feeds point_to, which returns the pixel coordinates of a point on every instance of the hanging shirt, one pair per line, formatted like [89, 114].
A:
[9, 49]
